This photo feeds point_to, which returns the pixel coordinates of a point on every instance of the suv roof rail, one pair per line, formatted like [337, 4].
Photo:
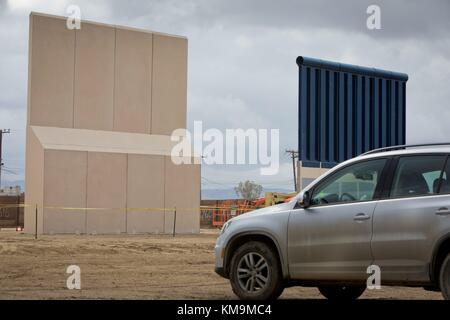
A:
[405, 146]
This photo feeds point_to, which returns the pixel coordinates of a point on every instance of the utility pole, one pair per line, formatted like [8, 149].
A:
[2, 131]
[294, 155]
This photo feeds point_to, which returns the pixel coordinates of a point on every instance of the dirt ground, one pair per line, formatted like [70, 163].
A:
[130, 267]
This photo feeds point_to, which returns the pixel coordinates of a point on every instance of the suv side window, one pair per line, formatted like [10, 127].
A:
[356, 182]
[417, 176]
[444, 183]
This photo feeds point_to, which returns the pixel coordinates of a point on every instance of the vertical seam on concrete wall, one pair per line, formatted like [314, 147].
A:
[114, 80]
[43, 195]
[186, 86]
[86, 195]
[74, 75]
[164, 193]
[126, 194]
[152, 66]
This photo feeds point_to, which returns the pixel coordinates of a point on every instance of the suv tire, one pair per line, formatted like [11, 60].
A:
[444, 278]
[342, 292]
[255, 272]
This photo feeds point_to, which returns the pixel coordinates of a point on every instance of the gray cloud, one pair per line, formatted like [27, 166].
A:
[400, 18]
[242, 70]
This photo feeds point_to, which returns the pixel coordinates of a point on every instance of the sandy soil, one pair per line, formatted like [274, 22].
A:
[130, 267]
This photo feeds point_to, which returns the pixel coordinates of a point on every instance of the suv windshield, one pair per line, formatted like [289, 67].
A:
[356, 182]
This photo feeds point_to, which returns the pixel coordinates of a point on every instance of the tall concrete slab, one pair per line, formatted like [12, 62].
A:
[106, 192]
[51, 71]
[94, 77]
[145, 189]
[182, 191]
[169, 84]
[133, 76]
[34, 184]
[65, 184]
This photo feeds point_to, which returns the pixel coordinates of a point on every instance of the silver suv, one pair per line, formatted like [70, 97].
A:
[388, 207]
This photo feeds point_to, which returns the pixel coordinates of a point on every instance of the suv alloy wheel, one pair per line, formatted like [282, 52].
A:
[255, 272]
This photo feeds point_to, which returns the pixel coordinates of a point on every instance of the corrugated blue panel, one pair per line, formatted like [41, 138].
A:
[345, 110]
[403, 113]
[349, 116]
[394, 121]
[376, 114]
[312, 155]
[331, 155]
[303, 120]
[384, 124]
[323, 116]
[367, 115]
[340, 143]
[359, 112]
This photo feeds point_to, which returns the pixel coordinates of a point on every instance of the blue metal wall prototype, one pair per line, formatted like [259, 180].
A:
[345, 110]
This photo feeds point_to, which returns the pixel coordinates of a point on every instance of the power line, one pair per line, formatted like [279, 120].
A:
[230, 184]
[9, 171]
[294, 155]
[214, 182]
[2, 131]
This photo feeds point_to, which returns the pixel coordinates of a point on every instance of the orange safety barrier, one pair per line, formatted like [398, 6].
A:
[230, 209]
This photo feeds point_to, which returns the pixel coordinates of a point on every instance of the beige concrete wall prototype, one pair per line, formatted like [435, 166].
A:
[34, 183]
[102, 102]
[106, 188]
[182, 190]
[65, 181]
[169, 84]
[133, 89]
[51, 69]
[145, 189]
[94, 77]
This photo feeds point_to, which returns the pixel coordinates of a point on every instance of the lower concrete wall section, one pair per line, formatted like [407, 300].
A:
[182, 191]
[34, 183]
[106, 188]
[145, 189]
[65, 174]
[87, 189]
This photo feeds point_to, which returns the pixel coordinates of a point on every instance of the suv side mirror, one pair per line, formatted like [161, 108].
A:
[304, 201]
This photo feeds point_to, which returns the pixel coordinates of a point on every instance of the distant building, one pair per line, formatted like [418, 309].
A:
[10, 191]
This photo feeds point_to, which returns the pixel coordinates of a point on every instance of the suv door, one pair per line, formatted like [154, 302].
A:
[407, 221]
[331, 238]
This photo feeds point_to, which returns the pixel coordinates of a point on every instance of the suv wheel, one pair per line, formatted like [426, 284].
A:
[336, 292]
[444, 278]
[255, 272]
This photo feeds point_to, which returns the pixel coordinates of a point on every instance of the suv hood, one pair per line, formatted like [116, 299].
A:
[272, 209]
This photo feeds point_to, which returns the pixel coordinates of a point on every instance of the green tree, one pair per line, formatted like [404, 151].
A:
[248, 190]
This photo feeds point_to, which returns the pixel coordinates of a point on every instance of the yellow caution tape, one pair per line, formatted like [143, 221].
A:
[201, 208]
[14, 205]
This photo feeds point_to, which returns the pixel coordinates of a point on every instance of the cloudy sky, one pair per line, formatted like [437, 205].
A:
[242, 71]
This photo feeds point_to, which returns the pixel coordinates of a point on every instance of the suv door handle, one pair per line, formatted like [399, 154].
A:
[443, 211]
[361, 217]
